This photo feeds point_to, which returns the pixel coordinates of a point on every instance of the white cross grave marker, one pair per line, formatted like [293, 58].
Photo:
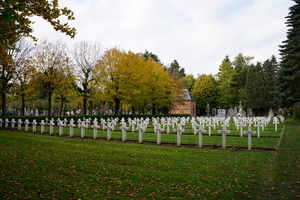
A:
[168, 124]
[95, 128]
[34, 123]
[264, 123]
[19, 124]
[179, 131]
[224, 132]
[124, 128]
[61, 125]
[51, 124]
[42, 126]
[250, 122]
[276, 122]
[158, 130]
[109, 128]
[13, 122]
[209, 127]
[241, 125]
[249, 132]
[26, 124]
[194, 127]
[83, 126]
[200, 131]
[6, 123]
[133, 123]
[258, 128]
[141, 131]
[72, 125]
[79, 122]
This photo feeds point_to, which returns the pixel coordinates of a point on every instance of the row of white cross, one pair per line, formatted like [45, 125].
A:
[140, 124]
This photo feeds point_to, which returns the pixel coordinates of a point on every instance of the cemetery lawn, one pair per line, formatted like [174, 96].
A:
[35, 166]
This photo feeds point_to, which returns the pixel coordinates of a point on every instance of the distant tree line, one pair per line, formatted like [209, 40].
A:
[254, 85]
[86, 76]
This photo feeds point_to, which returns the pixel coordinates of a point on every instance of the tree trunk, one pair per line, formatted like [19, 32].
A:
[49, 103]
[91, 107]
[22, 105]
[3, 101]
[117, 106]
[84, 104]
[61, 105]
[153, 108]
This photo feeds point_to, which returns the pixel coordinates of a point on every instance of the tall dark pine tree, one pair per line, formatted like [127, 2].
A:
[255, 89]
[148, 54]
[241, 64]
[175, 69]
[289, 72]
[270, 69]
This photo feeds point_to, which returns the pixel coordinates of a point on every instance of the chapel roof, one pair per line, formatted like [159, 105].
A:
[187, 95]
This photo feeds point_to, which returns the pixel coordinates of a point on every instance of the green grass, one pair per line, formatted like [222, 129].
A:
[38, 166]
[284, 181]
[35, 166]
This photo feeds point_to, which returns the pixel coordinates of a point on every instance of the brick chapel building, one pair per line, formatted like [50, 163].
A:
[187, 107]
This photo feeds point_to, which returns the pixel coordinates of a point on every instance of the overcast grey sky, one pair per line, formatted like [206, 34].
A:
[197, 33]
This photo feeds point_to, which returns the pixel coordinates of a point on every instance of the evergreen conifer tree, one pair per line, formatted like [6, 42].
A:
[289, 72]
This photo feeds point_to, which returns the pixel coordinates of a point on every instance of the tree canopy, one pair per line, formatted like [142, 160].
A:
[15, 23]
[205, 92]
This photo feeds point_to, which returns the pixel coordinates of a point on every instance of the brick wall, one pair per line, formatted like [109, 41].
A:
[188, 107]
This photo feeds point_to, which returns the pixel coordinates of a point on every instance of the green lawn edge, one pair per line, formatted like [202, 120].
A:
[284, 181]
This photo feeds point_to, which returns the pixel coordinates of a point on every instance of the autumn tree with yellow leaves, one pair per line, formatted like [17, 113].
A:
[121, 74]
[205, 90]
[136, 81]
[53, 70]
[15, 23]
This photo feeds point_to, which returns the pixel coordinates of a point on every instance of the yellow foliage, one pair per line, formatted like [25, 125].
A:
[135, 80]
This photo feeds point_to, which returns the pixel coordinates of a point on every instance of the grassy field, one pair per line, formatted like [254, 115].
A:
[35, 166]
